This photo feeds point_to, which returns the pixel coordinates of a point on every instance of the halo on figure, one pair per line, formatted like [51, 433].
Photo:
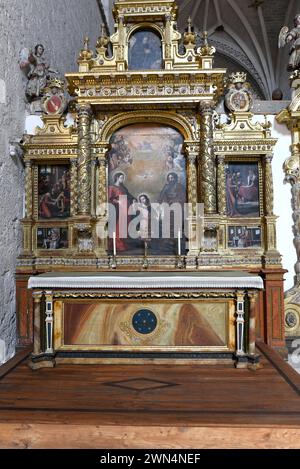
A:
[174, 174]
[117, 174]
[145, 195]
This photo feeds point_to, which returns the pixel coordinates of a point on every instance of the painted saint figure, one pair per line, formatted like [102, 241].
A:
[121, 199]
[145, 51]
[249, 192]
[173, 191]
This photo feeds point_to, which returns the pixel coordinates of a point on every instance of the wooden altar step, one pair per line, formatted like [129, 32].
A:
[151, 406]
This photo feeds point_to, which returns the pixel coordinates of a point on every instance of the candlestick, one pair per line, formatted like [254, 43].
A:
[179, 243]
[114, 244]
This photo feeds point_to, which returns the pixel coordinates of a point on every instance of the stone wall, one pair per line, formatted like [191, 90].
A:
[60, 26]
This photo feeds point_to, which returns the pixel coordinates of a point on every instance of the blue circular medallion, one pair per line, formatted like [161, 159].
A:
[144, 321]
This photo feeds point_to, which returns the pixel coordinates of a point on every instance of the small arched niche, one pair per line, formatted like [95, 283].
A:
[145, 50]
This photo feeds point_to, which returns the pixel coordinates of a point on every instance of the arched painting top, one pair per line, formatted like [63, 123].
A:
[145, 50]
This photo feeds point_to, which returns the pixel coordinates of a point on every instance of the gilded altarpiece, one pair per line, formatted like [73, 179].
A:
[146, 126]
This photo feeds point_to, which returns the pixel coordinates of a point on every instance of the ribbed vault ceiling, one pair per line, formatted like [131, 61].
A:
[246, 31]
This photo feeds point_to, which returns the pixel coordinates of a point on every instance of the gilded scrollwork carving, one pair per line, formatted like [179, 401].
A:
[221, 185]
[84, 159]
[192, 181]
[269, 190]
[74, 194]
[143, 295]
[102, 181]
[28, 189]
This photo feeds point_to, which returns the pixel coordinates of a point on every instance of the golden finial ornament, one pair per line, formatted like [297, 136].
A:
[189, 37]
[206, 49]
[85, 54]
[103, 41]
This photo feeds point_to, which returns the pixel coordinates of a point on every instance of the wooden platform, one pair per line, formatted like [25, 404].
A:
[151, 406]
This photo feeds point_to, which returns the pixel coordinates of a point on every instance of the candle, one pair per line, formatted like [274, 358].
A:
[179, 244]
[114, 243]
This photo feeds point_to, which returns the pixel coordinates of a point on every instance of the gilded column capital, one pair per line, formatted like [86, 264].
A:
[268, 158]
[221, 159]
[84, 109]
[206, 107]
[192, 157]
[102, 160]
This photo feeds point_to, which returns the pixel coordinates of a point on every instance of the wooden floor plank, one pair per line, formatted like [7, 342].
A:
[120, 406]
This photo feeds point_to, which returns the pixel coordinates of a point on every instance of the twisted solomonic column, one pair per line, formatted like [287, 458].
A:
[207, 158]
[84, 160]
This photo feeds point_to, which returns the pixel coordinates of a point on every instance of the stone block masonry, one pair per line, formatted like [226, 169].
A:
[60, 26]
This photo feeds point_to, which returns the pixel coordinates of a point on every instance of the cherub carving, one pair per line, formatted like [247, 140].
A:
[293, 37]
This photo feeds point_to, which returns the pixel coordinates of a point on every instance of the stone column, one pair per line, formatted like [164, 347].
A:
[207, 174]
[84, 160]
[73, 205]
[240, 324]
[269, 191]
[49, 322]
[37, 324]
[28, 189]
[221, 189]
[252, 328]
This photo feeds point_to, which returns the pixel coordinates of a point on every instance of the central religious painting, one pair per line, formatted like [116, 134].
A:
[147, 190]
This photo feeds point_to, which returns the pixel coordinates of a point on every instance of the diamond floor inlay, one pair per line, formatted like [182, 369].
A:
[140, 384]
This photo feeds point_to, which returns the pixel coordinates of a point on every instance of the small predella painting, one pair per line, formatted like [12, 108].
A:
[244, 237]
[242, 190]
[147, 174]
[52, 238]
[145, 51]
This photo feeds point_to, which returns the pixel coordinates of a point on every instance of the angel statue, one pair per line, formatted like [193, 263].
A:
[37, 69]
[293, 36]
